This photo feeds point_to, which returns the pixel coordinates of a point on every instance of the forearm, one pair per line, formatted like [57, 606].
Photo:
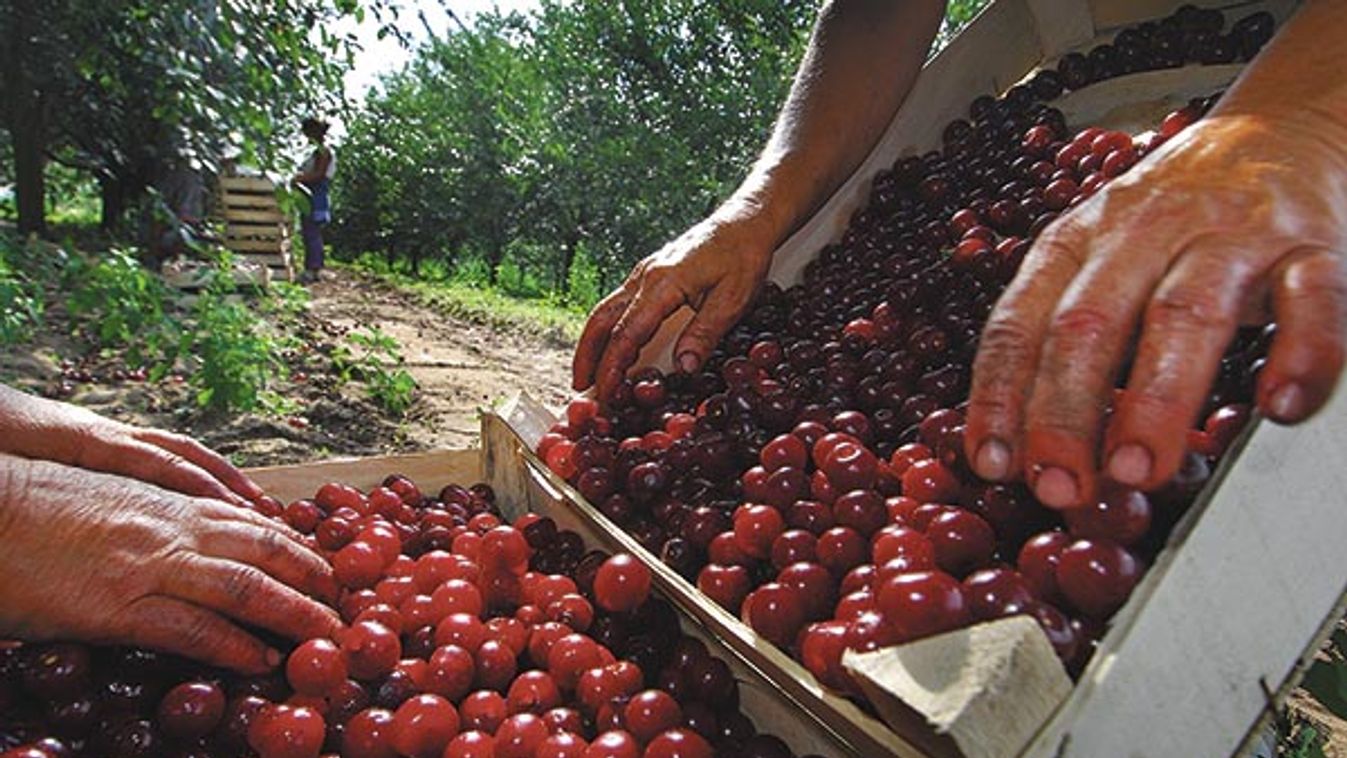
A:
[1295, 85]
[862, 59]
[1301, 69]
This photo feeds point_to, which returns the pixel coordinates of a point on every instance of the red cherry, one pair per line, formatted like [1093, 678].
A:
[622, 584]
[358, 565]
[1119, 514]
[784, 450]
[561, 745]
[650, 712]
[850, 466]
[996, 593]
[825, 444]
[792, 546]
[756, 527]
[679, 743]
[316, 667]
[821, 648]
[520, 735]
[423, 726]
[533, 692]
[923, 603]
[286, 732]
[930, 481]
[1038, 561]
[369, 735]
[727, 586]
[775, 611]
[472, 744]
[1061, 634]
[571, 656]
[191, 710]
[1096, 576]
[495, 665]
[963, 541]
[462, 629]
[614, 744]
[451, 672]
[841, 549]
[900, 541]
[813, 583]
[372, 650]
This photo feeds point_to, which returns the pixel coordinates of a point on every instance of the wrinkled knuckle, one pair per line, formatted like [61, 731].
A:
[242, 582]
[1081, 323]
[199, 634]
[1188, 309]
[1006, 342]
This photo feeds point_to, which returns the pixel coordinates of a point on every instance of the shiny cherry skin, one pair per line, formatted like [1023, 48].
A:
[923, 603]
[622, 584]
[1097, 576]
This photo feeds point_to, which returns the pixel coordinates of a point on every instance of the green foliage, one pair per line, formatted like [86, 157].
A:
[233, 354]
[122, 90]
[581, 136]
[115, 302]
[21, 298]
[367, 358]
[465, 294]
[1327, 678]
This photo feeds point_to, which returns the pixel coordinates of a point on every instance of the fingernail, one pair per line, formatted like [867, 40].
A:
[1288, 402]
[993, 459]
[1056, 487]
[1130, 464]
[273, 657]
[687, 362]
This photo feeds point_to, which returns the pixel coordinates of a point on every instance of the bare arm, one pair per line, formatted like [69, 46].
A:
[862, 59]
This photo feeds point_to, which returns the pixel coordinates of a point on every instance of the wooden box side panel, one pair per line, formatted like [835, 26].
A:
[430, 471]
[1218, 627]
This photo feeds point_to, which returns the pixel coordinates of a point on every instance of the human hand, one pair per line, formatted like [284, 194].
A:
[715, 267]
[1236, 215]
[48, 430]
[107, 559]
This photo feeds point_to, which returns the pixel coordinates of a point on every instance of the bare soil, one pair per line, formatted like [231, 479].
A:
[461, 368]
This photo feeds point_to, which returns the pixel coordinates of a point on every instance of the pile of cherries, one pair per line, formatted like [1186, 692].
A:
[811, 478]
[464, 637]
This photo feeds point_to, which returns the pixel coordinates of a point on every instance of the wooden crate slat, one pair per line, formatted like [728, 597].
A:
[247, 184]
[248, 202]
[254, 216]
[430, 470]
[246, 245]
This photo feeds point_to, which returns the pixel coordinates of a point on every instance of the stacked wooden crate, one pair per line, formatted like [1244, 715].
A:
[256, 230]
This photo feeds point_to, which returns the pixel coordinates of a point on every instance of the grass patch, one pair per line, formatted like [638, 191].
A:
[543, 317]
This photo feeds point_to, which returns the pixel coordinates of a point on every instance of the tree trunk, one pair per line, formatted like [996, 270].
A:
[30, 181]
[113, 195]
[568, 250]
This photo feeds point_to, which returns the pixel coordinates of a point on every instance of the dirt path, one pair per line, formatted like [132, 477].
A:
[462, 368]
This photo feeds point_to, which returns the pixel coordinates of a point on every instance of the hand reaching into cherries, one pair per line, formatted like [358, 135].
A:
[145, 530]
[716, 267]
[1243, 213]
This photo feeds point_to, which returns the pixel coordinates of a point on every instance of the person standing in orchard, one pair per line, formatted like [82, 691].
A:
[315, 178]
[1243, 214]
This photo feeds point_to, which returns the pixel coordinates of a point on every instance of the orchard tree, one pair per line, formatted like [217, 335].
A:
[118, 87]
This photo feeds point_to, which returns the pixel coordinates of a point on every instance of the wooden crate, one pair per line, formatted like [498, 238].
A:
[1223, 624]
[256, 229]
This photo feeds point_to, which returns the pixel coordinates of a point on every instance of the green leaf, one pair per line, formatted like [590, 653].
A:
[1327, 682]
